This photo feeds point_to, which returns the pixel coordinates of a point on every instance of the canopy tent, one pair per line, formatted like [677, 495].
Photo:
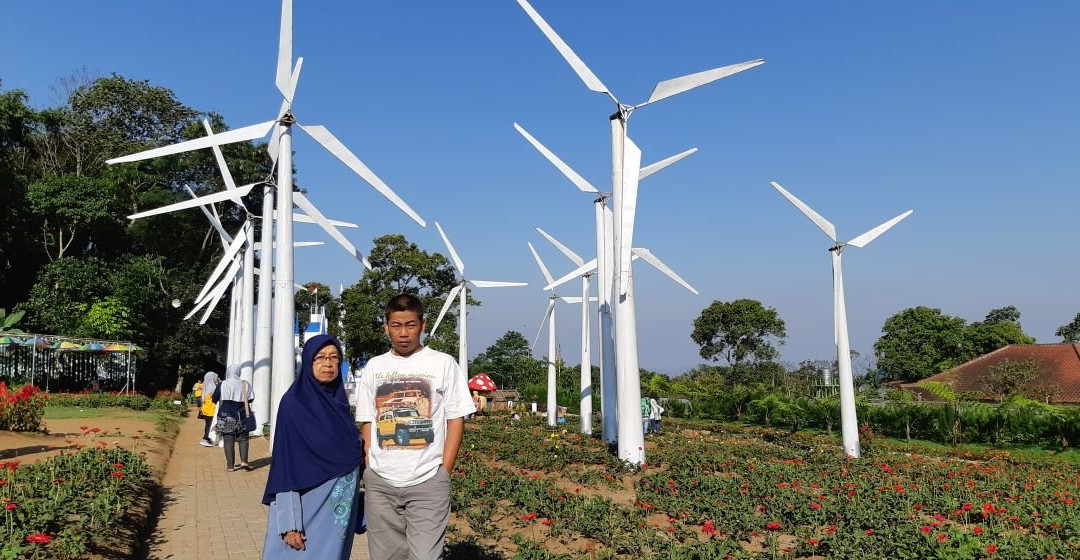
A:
[67, 363]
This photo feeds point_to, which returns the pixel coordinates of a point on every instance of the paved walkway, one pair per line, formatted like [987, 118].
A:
[211, 513]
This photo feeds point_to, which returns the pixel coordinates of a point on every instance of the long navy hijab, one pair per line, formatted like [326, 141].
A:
[315, 438]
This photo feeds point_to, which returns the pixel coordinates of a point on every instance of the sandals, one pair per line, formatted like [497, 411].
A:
[246, 467]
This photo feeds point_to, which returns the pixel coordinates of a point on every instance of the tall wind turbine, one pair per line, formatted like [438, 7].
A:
[280, 130]
[626, 158]
[605, 259]
[461, 292]
[552, 355]
[848, 421]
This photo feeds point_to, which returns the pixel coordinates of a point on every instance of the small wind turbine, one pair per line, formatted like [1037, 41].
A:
[626, 158]
[461, 291]
[280, 129]
[549, 318]
[848, 420]
[605, 259]
[585, 402]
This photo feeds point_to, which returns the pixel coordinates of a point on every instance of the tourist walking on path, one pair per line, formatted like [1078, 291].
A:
[233, 399]
[411, 402]
[315, 464]
[206, 407]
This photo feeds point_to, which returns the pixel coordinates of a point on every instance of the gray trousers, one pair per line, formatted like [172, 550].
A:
[406, 523]
[242, 442]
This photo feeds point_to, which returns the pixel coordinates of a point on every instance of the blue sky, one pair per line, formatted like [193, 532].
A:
[966, 112]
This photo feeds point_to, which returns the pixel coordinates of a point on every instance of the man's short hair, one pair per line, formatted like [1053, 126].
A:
[404, 302]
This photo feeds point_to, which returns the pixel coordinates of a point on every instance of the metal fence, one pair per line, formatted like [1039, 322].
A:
[63, 363]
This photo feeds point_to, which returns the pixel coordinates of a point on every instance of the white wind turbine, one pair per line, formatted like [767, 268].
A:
[584, 270]
[626, 158]
[604, 250]
[848, 420]
[280, 130]
[585, 397]
[461, 291]
[552, 355]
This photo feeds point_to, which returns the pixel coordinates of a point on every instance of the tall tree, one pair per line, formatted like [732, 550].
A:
[920, 342]
[398, 266]
[510, 363]
[737, 331]
[1070, 332]
[19, 258]
[1007, 314]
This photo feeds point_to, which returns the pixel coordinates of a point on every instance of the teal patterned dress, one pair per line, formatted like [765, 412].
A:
[325, 514]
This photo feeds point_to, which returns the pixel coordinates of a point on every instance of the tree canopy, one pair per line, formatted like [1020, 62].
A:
[737, 331]
[921, 341]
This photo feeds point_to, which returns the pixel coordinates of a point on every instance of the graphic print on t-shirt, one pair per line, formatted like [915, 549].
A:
[403, 404]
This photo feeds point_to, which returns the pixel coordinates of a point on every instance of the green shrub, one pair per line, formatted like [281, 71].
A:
[134, 401]
[21, 410]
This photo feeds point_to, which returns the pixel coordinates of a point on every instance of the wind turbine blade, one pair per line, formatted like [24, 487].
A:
[547, 315]
[650, 258]
[650, 169]
[215, 221]
[675, 86]
[334, 146]
[864, 239]
[228, 137]
[574, 258]
[583, 72]
[540, 263]
[631, 166]
[228, 257]
[284, 60]
[446, 306]
[304, 204]
[453, 254]
[825, 225]
[305, 219]
[226, 175]
[296, 245]
[208, 199]
[215, 293]
[570, 299]
[495, 284]
[215, 299]
[576, 273]
[576, 179]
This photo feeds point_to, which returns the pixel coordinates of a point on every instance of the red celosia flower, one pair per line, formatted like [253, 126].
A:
[815, 505]
[118, 465]
[528, 516]
[10, 506]
[991, 548]
[830, 530]
[708, 528]
[547, 522]
[942, 537]
[925, 529]
[978, 530]
[38, 538]
[869, 531]
[84, 428]
[95, 430]
[773, 525]
[118, 474]
[812, 542]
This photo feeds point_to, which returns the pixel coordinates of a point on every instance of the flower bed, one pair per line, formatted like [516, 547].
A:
[754, 493]
[67, 506]
[21, 411]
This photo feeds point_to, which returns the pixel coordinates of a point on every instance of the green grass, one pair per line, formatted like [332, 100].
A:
[66, 412]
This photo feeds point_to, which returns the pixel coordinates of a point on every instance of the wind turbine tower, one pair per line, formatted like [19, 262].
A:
[848, 420]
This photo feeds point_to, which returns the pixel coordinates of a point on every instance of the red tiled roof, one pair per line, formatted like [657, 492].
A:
[1059, 369]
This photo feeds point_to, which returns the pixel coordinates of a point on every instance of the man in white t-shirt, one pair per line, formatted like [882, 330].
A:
[411, 403]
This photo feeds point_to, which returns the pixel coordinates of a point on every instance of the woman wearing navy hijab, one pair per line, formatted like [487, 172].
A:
[311, 489]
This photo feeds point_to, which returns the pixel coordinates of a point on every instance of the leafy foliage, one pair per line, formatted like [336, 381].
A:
[738, 330]
[1070, 332]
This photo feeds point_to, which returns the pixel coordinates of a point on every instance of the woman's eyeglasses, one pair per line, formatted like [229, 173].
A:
[334, 359]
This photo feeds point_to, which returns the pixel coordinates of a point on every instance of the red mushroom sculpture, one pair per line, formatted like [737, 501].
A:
[481, 382]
